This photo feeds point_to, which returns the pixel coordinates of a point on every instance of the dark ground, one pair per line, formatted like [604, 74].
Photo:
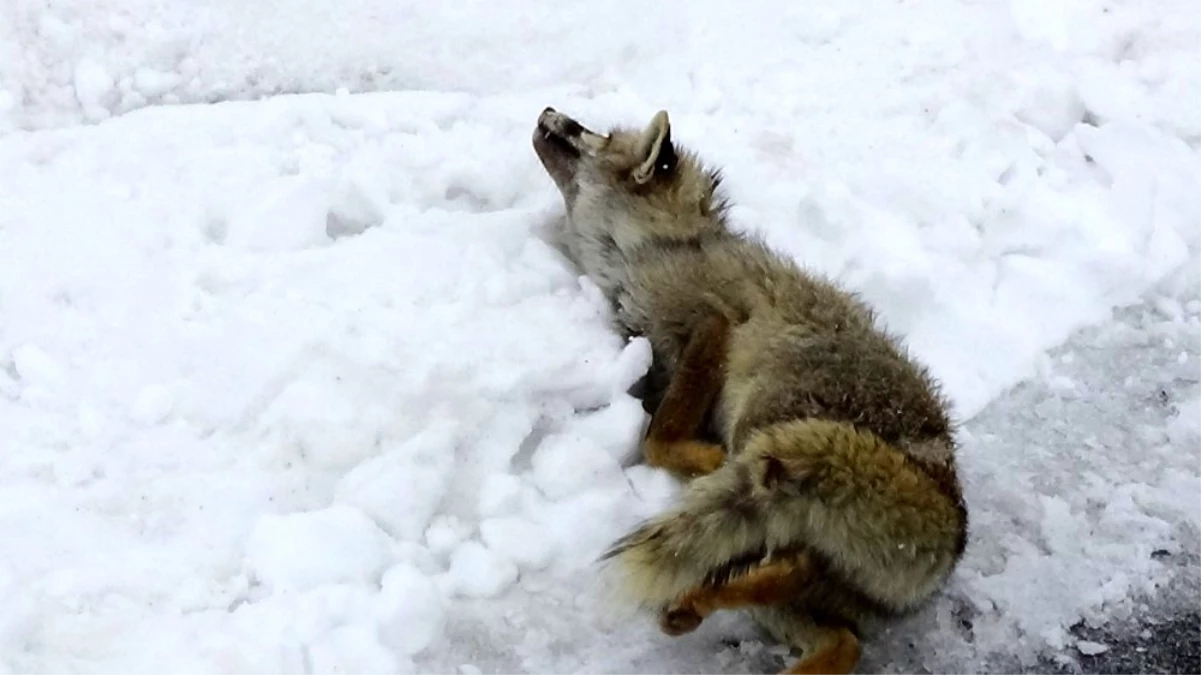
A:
[1164, 634]
[1173, 646]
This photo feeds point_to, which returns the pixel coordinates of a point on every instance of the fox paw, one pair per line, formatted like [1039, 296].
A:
[679, 620]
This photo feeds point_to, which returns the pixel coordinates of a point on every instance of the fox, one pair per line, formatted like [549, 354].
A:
[820, 489]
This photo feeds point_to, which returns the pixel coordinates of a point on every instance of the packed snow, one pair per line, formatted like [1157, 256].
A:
[291, 378]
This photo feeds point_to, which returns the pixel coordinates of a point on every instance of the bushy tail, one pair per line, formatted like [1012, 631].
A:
[889, 524]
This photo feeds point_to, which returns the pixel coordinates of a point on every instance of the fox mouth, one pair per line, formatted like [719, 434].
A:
[556, 141]
[560, 143]
[554, 138]
[563, 134]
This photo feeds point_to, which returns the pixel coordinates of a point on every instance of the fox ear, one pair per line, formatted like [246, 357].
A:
[655, 149]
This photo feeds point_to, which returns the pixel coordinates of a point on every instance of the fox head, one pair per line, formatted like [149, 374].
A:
[628, 175]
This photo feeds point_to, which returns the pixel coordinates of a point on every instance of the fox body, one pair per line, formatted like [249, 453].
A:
[829, 494]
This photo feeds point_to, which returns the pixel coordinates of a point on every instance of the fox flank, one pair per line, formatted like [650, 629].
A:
[822, 483]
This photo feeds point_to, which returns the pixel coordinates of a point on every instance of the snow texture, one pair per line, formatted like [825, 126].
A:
[292, 379]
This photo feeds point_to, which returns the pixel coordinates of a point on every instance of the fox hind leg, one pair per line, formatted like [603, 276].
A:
[770, 583]
[827, 643]
[673, 441]
[830, 650]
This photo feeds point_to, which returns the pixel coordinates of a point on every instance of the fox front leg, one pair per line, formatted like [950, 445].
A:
[673, 441]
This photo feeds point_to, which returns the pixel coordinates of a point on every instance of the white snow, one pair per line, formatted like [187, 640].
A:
[402, 487]
[294, 379]
[518, 540]
[93, 86]
[567, 464]
[445, 533]
[303, 551]
[152, 405]
[411, 611]
[1184, 431]
[352, 648]
[500, 494]
[479, 572]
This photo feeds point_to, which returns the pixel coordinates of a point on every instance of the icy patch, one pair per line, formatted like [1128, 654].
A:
[1090, 648]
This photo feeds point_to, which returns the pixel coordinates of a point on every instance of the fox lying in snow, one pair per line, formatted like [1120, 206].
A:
[832, 496]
